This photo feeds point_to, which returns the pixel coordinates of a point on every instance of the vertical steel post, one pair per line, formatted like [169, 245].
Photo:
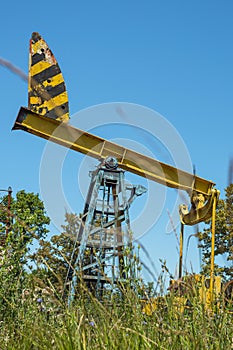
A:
[118, 229]
[181, 249]
[212, 249]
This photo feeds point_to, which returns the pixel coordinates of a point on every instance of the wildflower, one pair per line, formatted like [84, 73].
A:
[92, 323]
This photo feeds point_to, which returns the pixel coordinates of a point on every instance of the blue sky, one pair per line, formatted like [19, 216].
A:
[175, 57]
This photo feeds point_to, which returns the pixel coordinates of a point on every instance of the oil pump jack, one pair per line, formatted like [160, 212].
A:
[47, 116]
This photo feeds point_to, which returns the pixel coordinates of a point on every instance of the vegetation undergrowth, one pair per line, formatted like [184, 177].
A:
[37, 321]
[34, 312]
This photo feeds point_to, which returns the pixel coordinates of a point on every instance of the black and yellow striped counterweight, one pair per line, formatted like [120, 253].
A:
[47, 93]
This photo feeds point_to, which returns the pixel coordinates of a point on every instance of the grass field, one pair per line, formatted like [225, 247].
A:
[119, 323]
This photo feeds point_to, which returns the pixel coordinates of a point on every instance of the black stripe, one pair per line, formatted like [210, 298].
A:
[47, 73]
[35, 37]
[37, 58]
[55, 90]
[58, 111]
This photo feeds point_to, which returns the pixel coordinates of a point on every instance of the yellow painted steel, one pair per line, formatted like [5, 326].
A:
[100, 148]
[35, 47]
[185, 291]
[56, 101]
[47, 93]
[53, 81]
[181, 249]
[201, 209]
[212, 249]
[39, 67]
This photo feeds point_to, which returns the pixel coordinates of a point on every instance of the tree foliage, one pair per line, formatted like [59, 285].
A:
[55, 258]
[28, 222]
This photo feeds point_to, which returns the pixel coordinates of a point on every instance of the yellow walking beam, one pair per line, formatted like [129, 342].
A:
[97, 147]
[47, 116]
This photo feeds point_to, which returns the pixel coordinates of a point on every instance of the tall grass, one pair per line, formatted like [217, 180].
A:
[117, 323]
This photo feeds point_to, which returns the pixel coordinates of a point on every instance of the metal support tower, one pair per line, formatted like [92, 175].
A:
[105, 250]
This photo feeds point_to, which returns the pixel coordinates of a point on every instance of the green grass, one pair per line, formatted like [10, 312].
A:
[116, 324]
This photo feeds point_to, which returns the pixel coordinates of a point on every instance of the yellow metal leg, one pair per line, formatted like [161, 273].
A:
[212, 249]
[181, 249]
